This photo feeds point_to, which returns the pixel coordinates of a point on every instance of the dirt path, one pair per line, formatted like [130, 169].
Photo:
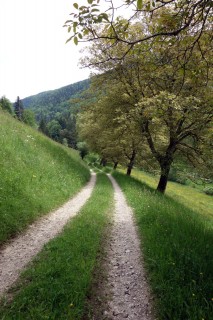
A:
[15, 255]
[124, 285]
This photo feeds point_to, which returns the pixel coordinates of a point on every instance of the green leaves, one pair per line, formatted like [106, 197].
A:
[139, 4]
[76, 40]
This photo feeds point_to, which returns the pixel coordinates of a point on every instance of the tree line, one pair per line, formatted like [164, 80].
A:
[154, 101]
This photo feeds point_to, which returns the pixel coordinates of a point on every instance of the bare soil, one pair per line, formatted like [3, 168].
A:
[15, 255]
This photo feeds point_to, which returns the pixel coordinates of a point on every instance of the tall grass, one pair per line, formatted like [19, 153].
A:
[177, 246]
[57, 284]
[36, 175]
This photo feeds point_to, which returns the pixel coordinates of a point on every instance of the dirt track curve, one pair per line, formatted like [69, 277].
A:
[15, 255]
[125, 288]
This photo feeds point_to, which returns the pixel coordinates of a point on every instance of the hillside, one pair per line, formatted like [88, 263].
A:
[53, 98]
[36, 173]
[56, 110]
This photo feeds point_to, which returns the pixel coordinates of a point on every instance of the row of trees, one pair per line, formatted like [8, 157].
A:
[155, 100]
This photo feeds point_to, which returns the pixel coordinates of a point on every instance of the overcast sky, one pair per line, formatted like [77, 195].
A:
[33, 53]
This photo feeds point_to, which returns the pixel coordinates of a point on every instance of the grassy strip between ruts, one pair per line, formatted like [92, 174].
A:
[56, 284]
[178, 252]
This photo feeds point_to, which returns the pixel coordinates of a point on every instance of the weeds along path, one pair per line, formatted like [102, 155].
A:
[15, 255]
[130, 296]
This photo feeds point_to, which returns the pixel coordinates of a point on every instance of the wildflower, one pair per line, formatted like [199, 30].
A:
[71, 305]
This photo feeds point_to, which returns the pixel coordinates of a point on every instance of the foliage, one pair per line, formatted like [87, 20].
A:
[176, 20]
[6, 105]
[37, 175]
[83, 149]
[19, 109]
[208, 190]
[168, 100]
[177, 251]
[112, 135]
[28, 117]
[62, 274]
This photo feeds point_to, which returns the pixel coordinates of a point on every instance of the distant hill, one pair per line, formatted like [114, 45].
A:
[53, 98]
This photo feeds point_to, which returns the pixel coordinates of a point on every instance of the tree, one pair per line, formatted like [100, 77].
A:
[28, 117]
[166, 100]
[43, 127]
[6, 105]
[18, 109]
[54, 130]
[107, 129]
[178, 19]
[83, 149]
[174, 124]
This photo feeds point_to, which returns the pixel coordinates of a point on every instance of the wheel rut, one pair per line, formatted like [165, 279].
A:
[122, 290]
[15, 255]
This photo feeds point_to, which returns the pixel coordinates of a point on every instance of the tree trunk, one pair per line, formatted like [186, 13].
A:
[115, 165]
[131, 163]
[103, 162]
[165, 168]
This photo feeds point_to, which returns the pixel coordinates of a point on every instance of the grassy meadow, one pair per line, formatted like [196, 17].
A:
[191, 197]
[36, 175]
[58, 281]
[178, 251]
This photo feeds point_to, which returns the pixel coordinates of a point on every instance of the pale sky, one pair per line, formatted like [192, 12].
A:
[33, 53]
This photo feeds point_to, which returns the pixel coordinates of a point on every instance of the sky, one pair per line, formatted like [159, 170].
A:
[34, 56]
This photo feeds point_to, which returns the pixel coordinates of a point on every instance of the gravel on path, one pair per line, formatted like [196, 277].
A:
[130, 294]
[15, 255]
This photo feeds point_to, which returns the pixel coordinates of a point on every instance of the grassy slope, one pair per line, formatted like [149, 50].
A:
[190, 197]
[36, 175]
[57, 284]
[177, 245]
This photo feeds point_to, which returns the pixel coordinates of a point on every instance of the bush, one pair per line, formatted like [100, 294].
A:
[208, 190]
[174, 176]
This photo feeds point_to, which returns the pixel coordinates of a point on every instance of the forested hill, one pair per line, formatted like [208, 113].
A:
[55, 97]
[55, 111]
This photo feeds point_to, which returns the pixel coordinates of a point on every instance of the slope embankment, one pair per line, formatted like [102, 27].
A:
[37, 175]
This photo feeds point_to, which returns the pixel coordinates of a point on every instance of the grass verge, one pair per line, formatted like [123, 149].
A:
[36, 175]
[178, 252]
[57, 282]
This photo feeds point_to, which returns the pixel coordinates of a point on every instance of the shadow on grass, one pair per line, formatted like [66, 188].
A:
[178, 252]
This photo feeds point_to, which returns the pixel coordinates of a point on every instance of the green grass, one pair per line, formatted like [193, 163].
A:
[58, 281]
[177, 246]
[192, 198]
[36, 175]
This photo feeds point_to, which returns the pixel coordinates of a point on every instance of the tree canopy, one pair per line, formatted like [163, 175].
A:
[99, 19]
[163, 96]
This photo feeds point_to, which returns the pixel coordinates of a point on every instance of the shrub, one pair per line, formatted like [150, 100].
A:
[208, 190]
